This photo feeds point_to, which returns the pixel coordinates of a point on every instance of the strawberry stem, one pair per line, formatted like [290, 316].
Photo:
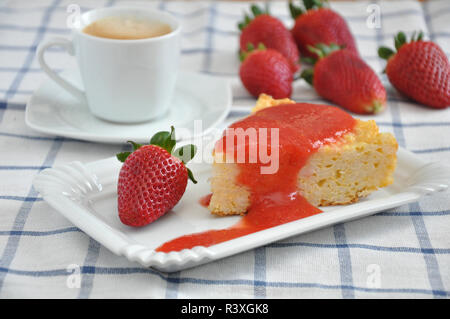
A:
[317, 51]
[322, 50]
[308, 76]
[376, 107]
[191, 176]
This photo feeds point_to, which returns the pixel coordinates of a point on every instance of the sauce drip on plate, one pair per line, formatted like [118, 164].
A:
[204, 201]
[302, 129]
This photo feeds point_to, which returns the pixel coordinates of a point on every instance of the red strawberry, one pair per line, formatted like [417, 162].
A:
[152, 180]
[344, 78]
[319, 24]
[265, 29]
[266, 71]
[419, 69]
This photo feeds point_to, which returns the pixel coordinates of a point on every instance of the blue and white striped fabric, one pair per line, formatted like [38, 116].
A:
[401, 253]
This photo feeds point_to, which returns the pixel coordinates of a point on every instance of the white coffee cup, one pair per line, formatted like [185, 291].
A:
[125, 81]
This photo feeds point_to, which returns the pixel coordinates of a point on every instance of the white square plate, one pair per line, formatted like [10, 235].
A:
[86, 195]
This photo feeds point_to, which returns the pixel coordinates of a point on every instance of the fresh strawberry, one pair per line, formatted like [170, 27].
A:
[344, 78]
[268, 30]
[152, 179]
[419, 69]
[319, 24]
[266, 71]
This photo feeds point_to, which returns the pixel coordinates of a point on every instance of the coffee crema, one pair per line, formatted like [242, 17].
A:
[126, 28]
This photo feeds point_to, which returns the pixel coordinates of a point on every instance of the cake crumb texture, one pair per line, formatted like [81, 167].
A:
[339, 173]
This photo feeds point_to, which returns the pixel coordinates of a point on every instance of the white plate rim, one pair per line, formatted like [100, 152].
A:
[430, 177]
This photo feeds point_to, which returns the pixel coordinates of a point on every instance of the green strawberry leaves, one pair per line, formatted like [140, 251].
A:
[314, 4]
[167, 141]
[250, 48]
[135, 145]
[122, 156]
[308, 76]
[321, 50]
[419, 36]
[256, 11]
[185, 154]
[297, 11]
[400, 39]
[164, 139]
[385, 53]
[308, 60]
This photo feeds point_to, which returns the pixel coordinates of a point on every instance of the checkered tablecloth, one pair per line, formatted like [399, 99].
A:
[400, 253]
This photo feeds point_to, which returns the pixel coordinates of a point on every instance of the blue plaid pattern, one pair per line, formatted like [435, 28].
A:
[410, 244]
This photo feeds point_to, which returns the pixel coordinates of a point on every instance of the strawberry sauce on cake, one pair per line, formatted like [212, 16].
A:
[272, 199]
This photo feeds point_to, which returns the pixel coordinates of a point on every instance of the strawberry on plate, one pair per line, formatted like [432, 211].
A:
[341, 76]
[317, 23]
[153, 178]
[266, 71]
[268, 30]
[419, 69]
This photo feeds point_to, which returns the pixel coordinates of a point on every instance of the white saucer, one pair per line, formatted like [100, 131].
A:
[54, 111]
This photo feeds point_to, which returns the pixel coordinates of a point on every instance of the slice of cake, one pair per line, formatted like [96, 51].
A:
[324, 155]
[276, 165]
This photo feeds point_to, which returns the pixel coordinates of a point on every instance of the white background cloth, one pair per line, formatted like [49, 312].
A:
[408, 247]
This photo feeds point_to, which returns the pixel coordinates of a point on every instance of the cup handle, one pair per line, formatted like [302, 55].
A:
[68, 46]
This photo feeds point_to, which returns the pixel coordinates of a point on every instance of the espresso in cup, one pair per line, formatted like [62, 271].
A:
[127, 28]
[123, 81]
